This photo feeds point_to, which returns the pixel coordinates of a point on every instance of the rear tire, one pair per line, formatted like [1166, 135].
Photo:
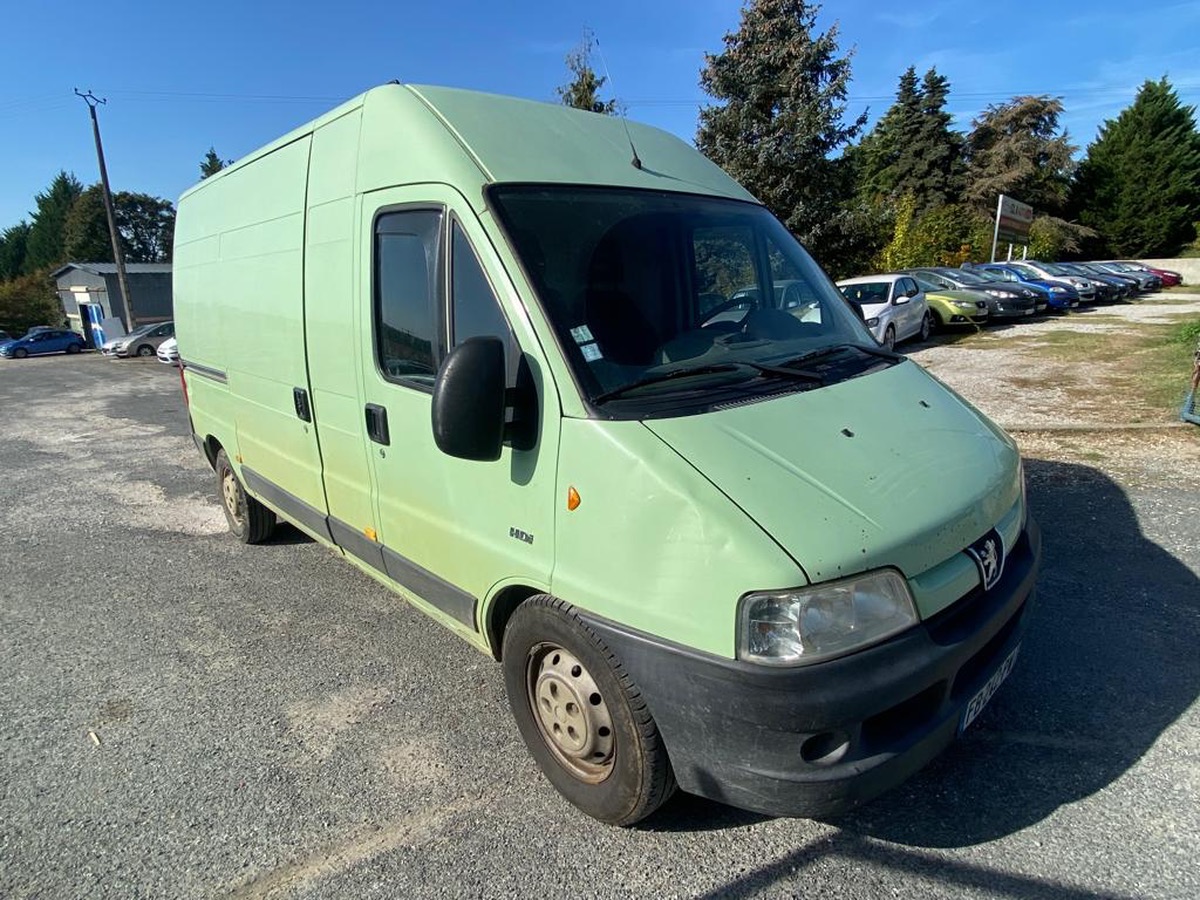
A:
[249, 520]
[583, 719]
[74, 348]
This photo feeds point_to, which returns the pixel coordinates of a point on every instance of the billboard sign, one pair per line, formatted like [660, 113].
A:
[1013, 219]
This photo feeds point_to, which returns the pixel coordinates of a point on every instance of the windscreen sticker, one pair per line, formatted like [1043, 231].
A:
[582, 334]
[591, 352]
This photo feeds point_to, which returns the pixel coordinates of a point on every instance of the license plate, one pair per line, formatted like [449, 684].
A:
[980, 700]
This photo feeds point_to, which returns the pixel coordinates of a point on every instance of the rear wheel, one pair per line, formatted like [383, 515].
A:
[582, 717]
[74, 348]
[249, 520]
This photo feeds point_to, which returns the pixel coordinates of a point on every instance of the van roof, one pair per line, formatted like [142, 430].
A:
[442, 134]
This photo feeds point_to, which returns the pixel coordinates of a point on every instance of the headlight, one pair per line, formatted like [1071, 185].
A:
[964, 304]
[1003, 295]
[873, 321]
[1055, 289]
[807, 625]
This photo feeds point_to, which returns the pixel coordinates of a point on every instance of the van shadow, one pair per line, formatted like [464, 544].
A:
[286, 534]
[1108, 663]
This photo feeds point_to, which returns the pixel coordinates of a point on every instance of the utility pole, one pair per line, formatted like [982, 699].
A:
[92, 102]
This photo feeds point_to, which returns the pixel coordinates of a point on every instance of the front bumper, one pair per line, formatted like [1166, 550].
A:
[820, 739]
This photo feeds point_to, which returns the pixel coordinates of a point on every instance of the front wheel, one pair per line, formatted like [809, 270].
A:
[926, 326]
[889, 338]
[145, 350]
[20, 353]
[582, 717]
[249, 520]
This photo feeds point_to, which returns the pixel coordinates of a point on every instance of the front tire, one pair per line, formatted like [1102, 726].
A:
[889, 338]
[926, 326]
[249, 520]
[20, 353]
[583, 719]
[145, 350]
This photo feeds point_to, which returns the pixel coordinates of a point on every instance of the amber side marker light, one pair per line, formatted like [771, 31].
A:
[573, 500]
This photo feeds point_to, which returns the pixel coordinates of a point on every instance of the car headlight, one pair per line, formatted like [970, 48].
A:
[964, 304]
[1003, 295]
[873, 321]
[808, 625]
[1055, 289]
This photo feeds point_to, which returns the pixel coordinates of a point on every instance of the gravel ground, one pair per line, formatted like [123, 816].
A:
[268, 722]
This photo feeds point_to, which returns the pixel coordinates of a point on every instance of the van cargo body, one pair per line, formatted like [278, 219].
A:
[576, 395]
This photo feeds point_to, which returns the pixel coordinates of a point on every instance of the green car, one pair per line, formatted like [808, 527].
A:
[535, 370]
[953, 308]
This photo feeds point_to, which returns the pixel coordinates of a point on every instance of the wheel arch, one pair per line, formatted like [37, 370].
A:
[497, 613]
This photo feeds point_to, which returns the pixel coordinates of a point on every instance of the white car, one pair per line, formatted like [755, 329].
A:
[893, 307]
[168, 352]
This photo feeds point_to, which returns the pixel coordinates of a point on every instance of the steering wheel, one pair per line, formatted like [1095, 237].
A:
[726, 306]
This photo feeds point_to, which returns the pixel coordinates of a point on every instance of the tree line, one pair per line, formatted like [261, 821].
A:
[69, 224]
[912, 190]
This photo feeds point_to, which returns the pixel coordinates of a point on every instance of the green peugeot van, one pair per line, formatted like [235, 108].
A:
[572, 392]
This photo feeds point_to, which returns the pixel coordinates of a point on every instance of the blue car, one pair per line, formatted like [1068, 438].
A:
[54, 340]
[1060, 296]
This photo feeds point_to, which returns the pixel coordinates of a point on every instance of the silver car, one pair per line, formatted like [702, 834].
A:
[143, 341]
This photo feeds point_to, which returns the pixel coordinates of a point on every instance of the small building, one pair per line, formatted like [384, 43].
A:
[91, 297]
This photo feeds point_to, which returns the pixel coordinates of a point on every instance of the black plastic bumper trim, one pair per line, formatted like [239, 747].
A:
[735, 730]
[205, 371]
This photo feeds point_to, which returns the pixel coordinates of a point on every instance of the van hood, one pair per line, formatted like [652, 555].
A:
[887, 469]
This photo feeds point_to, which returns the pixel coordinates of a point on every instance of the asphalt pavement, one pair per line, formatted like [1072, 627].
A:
[184, 716]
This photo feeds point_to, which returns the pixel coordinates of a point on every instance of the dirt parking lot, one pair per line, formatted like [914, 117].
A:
[183, 716]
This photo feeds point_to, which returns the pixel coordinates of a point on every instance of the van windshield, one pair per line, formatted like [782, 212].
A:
[647, 289]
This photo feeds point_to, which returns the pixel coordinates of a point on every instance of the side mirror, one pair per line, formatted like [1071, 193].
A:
[900, 300]
[469, 400]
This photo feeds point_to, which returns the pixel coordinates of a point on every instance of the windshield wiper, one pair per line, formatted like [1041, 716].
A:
[788, 372]
[835, 348]
[667, 376]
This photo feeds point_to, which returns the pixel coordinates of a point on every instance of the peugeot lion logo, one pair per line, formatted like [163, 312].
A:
[988, 553]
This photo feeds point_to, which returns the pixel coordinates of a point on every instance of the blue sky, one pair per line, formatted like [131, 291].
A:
[181, 77]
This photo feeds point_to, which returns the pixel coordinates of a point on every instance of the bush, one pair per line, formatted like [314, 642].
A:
[29, 300]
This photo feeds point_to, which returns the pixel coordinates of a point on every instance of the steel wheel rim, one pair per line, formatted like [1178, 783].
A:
[571, 713]
[229, 492]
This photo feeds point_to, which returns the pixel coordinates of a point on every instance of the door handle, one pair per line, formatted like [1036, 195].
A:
[303, 409]
[377, 424]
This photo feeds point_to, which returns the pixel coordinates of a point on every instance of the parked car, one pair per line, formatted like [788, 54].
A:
[893, 307]
[1051, 272]
[1059, 297]
[951, 306]
[168, 352]
[1003, 301]
[1127, 278]
[1148, 280]
[1108, 287]
[142, 341]
[5, 337]
[1166, 276]
[37, 343]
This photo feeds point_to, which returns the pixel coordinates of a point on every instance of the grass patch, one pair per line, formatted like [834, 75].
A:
[1183, 289]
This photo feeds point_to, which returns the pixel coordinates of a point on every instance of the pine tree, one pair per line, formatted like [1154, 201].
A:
[1139, 185]
[13, 242]
[582, 91]
[47, 234]
[779, 120]
[212, 164]
[86, 237]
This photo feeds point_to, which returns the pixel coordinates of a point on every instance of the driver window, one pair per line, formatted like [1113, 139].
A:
[407, 252]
